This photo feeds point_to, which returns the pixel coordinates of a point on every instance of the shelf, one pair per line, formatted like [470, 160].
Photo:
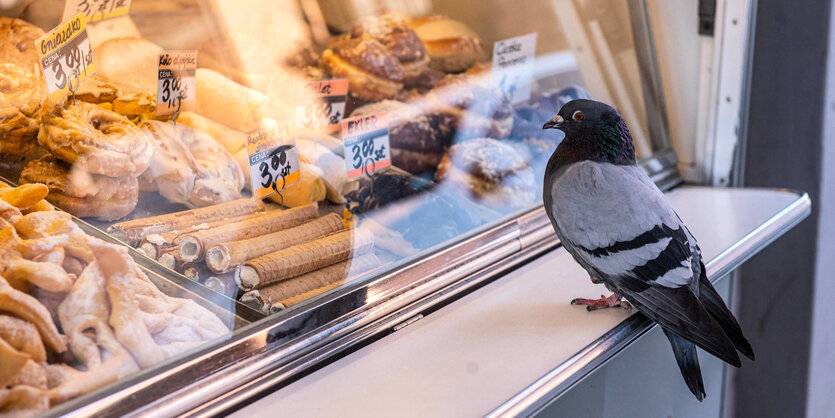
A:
[514, 344]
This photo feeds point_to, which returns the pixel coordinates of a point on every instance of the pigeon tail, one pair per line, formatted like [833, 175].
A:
[688, 363]
[720, 313]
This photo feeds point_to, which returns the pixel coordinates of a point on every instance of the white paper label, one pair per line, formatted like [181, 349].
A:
[366, 142]
[95, 10]
[512, 69]
[176, 85]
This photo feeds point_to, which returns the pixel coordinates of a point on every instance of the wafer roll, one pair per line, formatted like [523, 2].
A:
[153, 244]
[223, 257]
[295, 300]
[193, 246]
[195, 271]
[254, 302]
[169, 257]
[339, 272]
[133, 231]
[303, 258]
[223, 284]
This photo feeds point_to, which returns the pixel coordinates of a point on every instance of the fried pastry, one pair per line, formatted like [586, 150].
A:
[23, 336]
[28, 308]
[451, 45]
[23, 400]
[373, 72]
[488, 171]
[19, 42]
[94, 139]
[81, 193]
[22, 93]
[190, 167]
[399, 39]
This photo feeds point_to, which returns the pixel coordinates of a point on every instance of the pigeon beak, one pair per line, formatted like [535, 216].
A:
[554, 123]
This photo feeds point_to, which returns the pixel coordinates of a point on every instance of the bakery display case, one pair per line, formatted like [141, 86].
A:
[202, 199]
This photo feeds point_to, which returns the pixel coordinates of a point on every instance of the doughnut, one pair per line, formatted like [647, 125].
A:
[488, 171]
[19, 43]
[452, 46]
[399, 39]
[97, 140]
[372, 71]
[80, 193]
[21, 96]
[416, 146]
[469, 107]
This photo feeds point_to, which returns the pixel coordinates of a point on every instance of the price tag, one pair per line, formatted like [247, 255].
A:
[512, 68]
[366, 142]
[95, 10]
[322, 105]
[176, 84]
[273, 161]
[66, 57]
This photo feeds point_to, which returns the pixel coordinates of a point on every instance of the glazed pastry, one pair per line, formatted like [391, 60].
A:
[399, 39]
[127, 101]
[21, 96]
[132, 62]
[416, 145]
[488, 171]
[94, 139]
[81, 193]
[372, 71]
[231, 139]
[190, 167]
[451, 45]
[19, 43]
[469, 107]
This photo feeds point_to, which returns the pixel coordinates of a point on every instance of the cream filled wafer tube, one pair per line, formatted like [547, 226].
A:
[223, 257]
[195, 271]
[303, 258]
[154, 245]
[169, 257]
[193, 246]
[133, 231]
[223, 284]
[339, 272]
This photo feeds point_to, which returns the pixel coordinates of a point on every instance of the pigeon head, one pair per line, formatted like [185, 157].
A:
[593, 131]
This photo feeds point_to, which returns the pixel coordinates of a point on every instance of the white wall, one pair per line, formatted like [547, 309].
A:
[821, 401]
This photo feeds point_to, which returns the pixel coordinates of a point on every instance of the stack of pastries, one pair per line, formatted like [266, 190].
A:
[76, 313]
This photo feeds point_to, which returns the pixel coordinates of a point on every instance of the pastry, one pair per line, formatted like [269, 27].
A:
[81, 193]
[29, 309]
[331, 164]
[193, 246]
[94, 139]
[465, 106]
[451, 45]
[303, 258]
[129, 102]
[399, 39]
[373, 72]
[231, 139]
[132, 232]
[21, 96]
[23, 336]
[190, 167]
[225, 101]
[220, 258]
[132, 62]
[416, 146]
[19, 43]
[23, 400]
[490, 172]
[309, 189]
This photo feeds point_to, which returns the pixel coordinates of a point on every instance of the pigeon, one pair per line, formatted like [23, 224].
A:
[620, 228]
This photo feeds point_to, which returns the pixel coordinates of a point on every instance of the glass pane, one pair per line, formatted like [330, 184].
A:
[231, 162]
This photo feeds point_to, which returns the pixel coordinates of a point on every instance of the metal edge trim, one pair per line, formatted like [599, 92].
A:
[549, 387]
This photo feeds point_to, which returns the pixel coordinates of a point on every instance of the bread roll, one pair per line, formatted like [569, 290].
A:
[228, 102]
[130, 61]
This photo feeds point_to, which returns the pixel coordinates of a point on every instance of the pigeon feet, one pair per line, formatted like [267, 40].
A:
[613, 301]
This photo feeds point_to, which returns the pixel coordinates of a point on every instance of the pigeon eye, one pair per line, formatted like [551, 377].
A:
[578, 115]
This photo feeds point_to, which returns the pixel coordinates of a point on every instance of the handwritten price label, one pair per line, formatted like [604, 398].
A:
[322, 105]
[512, 69]
[95, 10]
[66, 57]
[273, 161]
[176, 84]
[366, 142]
